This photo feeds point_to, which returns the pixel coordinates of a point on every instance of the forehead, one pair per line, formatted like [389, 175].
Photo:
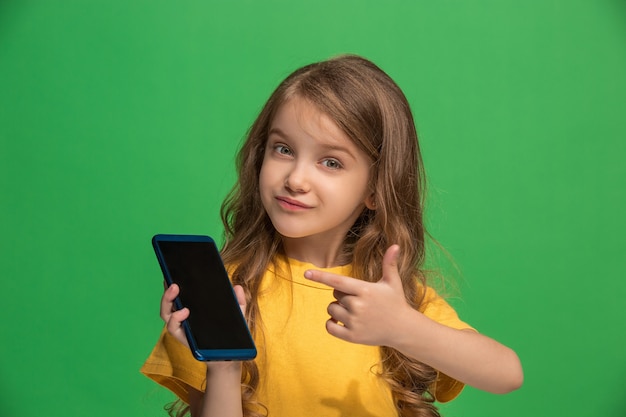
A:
[298, 118]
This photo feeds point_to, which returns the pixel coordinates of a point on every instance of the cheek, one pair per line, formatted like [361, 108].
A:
[266, 180]
[271, 173]
[361, 187]
[262, 183]
[263, 174]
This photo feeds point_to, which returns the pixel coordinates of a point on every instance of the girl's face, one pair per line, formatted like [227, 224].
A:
[314, 181]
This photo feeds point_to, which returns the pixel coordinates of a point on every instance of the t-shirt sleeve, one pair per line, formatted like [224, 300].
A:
[172, 365]
[436, 308]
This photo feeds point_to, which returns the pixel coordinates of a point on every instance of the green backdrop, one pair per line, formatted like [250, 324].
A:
[120, 119]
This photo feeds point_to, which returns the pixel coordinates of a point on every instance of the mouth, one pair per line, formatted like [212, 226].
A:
[291, 204]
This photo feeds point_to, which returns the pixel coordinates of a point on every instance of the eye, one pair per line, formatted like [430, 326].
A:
[332, 163]
[282, 150]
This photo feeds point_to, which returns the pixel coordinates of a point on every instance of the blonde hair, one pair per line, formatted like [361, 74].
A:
[374, 113]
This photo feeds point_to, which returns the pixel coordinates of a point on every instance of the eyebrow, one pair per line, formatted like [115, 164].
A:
[325, 146]
[276, 131]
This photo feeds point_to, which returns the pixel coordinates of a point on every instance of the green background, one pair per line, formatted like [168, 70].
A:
[120, 119]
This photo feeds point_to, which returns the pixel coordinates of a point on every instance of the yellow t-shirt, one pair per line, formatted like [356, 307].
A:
[304, 370]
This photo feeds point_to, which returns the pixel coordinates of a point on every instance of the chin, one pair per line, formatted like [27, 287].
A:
[290, 233]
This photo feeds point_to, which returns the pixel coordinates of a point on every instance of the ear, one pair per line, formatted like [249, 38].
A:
[370, 202]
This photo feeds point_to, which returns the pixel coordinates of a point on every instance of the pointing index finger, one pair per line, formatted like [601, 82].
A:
[342, 283]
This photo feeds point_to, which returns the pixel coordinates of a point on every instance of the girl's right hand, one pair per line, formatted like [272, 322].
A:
[174, 319]
[223, 381]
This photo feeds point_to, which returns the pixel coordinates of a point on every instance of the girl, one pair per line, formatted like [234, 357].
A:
[324, 239]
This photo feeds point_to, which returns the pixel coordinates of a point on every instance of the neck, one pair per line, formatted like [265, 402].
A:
[321, 252]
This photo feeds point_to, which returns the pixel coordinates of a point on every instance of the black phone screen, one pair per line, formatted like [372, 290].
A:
[215, 318]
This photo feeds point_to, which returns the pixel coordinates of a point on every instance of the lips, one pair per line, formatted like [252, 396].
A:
[291, 204]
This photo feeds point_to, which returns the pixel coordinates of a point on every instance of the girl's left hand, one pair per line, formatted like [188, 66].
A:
[377, 313]
[367, 313]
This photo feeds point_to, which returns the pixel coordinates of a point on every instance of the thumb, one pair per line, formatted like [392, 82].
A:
[390, 266]
[241, 298]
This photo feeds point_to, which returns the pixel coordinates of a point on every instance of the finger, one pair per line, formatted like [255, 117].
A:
[390, 265]
[344, 284]
[340, 295]
[176, 319]
[339, 314]
[175, 325]
[347, 301]
[167, 301]
[338, 330]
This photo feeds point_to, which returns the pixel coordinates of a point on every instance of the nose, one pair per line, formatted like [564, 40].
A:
[297, 179]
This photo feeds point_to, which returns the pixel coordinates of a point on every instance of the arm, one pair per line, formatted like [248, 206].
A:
[223, 379]
[464, 355]
[223, 392]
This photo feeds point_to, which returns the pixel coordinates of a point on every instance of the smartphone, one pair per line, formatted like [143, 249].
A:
[216, 328]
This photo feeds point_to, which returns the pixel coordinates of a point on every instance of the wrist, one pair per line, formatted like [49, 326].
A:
[223, 368]
[410, 334]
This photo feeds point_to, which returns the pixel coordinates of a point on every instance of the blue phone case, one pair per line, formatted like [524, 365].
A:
[216, 328]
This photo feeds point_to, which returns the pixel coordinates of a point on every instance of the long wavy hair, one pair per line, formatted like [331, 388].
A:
[373, 112]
